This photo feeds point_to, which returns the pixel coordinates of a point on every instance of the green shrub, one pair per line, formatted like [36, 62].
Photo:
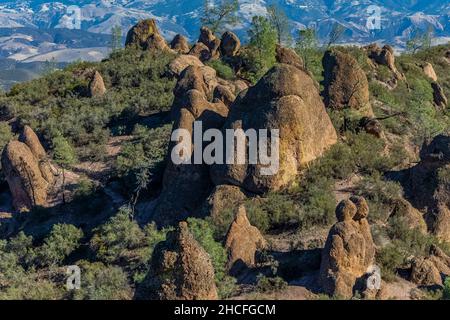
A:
[446, 292]
[223, 70]
[268, 285]
[62, 241]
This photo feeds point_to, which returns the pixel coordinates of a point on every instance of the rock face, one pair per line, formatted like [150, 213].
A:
[428, 70]
[427, 188]
[212, 43]
[345, 83]
[180, 63]
[201, 51]
[242, 241]
[222, 198]
[181, 269]
[145, 35]
[180, 44]
[284, 99]
[289, 56]
[27, 171]
[193, 92]
[384, 56]
[96, 85]
[439, 96]
[229, 44]
[430, 270]
[349, 250]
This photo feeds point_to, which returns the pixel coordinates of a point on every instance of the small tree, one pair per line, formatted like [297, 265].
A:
[116, 38]
[65, 156]
[337, 31]
[216, 16]
[280, 23]
[306, 45]
[419, 40]
[262, 46]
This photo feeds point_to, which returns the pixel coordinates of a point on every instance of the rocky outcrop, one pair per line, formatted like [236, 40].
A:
[224, 94]
[27, 171]
[223, 198]
[372, 126]
[243, 241]
[181, 269]
[96, 85]
[145, 35]
[430, 270]
[349, 251]
[229, 44]
[384, 56]
[284, 99]
[345, 83]
[210, 41]
[428, 70]
[193, 96]
[201, 51]
[179, 44]
[180, 63]
[404, 212]
[289, 56]
[439, 96]
[427, 187]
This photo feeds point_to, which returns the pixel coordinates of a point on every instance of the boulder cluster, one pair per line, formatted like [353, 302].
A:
[28, 171]
[385, 57]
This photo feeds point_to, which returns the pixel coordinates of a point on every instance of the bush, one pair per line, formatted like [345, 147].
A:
[223, 70]
[204, 234]
[62, 241]
[446, 292]
[268, 285]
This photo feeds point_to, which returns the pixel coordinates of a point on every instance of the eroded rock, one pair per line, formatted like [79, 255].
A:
[180, 44]
[96, 85]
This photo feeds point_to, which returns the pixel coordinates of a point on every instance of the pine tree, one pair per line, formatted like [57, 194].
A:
[216, 16]
[116, 38]
[280, 23]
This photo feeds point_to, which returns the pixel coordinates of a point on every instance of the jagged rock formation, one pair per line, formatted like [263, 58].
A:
[427, 188]
[242, 241]
[349, 250]
[27, 171]
[289, 56]
[428, 70]
[384, 56]
[430, 270]
[179, 44]
[345, 83]
[285, 99]
[201, 51]
[408, 215]
[210, 41]
[181, 269]
[145, 35]
[193, 94]
[96, 85]
[439, 96]
[229, 44]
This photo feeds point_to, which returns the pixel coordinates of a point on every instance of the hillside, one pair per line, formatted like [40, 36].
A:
[362, 188]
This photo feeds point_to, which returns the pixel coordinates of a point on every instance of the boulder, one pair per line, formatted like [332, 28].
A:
[223, 198]
[201, 51]
[289, 56]
[180, 63]
[25, 179]
[345, 83]
[287, 100]
[210, 41]
[349, 251]
[372, 126]
[424, 272]
[242, 241]
[408, 215]
[229, 44]
[428, 70]
[181, 269]
[224, 94]
[179, 44]
[145, 35]
[439, 96]
[29, 137]
[96, 85]
[384, 56]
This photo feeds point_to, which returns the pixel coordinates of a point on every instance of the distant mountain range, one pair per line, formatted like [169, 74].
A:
[32, 31]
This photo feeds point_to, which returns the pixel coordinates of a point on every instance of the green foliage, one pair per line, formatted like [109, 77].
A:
[203, 232]
[223, 70]
[116, 38]
[260, 54]
[102, 282]
[280, 22]
[446, 292]
[219, 14]
[268, 285]
[63, 153]
[419, 40]
[62, 241]
[307, 47]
